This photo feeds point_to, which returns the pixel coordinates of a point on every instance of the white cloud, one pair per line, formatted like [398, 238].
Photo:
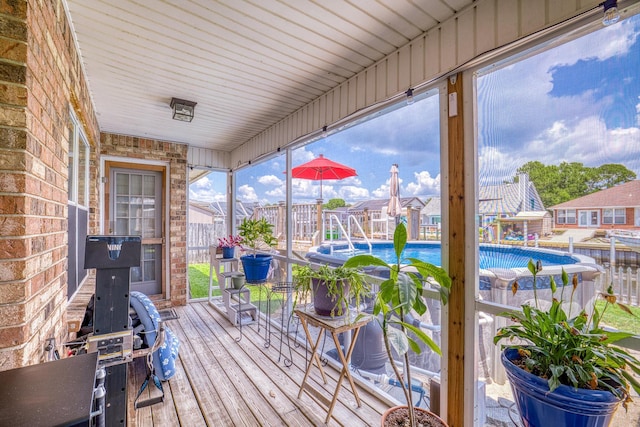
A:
[271, 180]
[247, 194]
[424, 185]
[203, 190]
[351, 193]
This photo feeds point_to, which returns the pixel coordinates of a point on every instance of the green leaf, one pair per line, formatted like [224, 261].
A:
[398, 340]
[407, 292]
[399, 240]
[613, 336]
[423, 337]
[364, 261]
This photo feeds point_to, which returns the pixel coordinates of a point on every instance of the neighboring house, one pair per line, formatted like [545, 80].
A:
[507, 200]
[381, 205]
[380, 224]
[201, 213]
[216, 212]
[615, 207]
[431, 214]
[495, 202]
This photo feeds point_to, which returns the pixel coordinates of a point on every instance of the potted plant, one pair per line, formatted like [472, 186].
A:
[399, 295]
[228, 245]
[256, 234]
[565, 368]
[333, 289]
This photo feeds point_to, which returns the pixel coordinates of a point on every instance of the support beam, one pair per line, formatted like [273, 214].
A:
[456, 218]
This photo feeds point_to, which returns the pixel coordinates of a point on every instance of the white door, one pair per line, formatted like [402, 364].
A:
[589, 218]
[637, 215]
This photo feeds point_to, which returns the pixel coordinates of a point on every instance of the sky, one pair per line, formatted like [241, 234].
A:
[578, 102]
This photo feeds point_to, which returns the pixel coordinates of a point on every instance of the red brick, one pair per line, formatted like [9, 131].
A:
[13, 336]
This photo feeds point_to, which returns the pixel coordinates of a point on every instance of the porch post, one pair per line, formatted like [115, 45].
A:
[457, 259]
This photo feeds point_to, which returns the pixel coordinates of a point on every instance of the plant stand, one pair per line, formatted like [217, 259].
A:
[217, 265]
[238, 303]
[283, 289]
[334, 327]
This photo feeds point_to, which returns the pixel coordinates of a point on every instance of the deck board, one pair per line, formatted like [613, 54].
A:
[222, 382]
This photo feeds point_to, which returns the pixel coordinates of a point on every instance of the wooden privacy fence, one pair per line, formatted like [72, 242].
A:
[200, 237]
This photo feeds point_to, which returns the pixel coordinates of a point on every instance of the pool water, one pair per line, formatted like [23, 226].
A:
[490, 256]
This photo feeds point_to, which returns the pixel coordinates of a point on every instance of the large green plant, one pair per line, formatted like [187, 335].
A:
[334, 279]
[257, 234]
[575, 351]
[399, 295]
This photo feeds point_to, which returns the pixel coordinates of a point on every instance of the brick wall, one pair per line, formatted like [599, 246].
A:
[175, 156]
[39, 76]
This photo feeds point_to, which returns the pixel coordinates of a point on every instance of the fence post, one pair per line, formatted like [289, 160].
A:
[319, 222]
[365, 222]
[612, 251]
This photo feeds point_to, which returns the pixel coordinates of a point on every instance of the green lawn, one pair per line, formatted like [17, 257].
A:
[199, 283]
[619, 319]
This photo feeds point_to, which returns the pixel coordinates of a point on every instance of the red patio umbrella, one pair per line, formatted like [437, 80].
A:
[320, 169]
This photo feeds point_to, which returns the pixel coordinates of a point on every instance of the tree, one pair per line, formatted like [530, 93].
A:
[610, 175]
[568, 181]
[334, 203]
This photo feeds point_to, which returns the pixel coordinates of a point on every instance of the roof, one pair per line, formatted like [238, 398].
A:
[433, 207]
[509, 198]
[528, 216]
[378, 204]
[620, 196]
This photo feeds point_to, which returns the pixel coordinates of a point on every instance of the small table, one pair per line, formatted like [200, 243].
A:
[334, 326]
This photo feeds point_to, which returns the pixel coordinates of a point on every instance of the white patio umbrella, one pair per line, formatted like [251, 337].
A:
[394, 209]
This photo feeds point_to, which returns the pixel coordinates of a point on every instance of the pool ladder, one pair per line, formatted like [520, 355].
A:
[347, 234]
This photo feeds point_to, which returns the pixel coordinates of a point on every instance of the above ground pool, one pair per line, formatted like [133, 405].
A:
[491, 256]
[500, 265]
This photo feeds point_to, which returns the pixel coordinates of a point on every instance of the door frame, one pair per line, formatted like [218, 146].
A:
[108, 162]
[588, 212]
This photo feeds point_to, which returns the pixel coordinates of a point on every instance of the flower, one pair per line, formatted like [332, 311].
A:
[230, 241]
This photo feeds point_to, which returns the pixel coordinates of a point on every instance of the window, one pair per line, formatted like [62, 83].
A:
[78, 207]
[566, 216]
[614, 216]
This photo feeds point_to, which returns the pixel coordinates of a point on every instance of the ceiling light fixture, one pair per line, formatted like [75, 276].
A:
[409, 96]
[183, 110]
[611, 13]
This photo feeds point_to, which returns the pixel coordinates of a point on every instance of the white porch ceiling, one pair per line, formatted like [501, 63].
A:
[247, 63]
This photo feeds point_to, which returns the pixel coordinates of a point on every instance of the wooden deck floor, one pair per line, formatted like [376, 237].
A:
[221, 382]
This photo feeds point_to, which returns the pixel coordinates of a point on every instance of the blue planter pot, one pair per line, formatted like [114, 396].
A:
[256, 267]
[228, 252]
[565, 406]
